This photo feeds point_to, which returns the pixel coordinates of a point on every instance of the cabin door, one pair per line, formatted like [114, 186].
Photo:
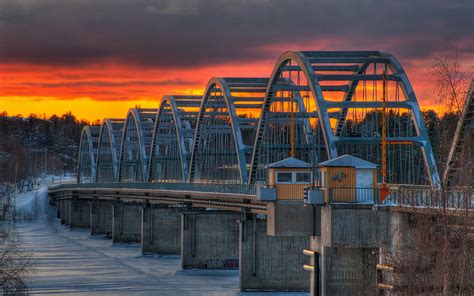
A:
[364, 185]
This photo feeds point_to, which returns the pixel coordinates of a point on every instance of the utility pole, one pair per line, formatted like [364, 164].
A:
[384, 190]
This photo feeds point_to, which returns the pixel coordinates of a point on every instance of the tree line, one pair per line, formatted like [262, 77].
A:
[32, 146]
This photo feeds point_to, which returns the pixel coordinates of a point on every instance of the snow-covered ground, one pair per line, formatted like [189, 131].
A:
[72, 262]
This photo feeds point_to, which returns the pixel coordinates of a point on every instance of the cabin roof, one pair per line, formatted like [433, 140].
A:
[290, 162]
[348, 161]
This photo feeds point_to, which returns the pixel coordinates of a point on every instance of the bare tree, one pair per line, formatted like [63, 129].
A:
[433, 238]
[451, 83]
[16, 265]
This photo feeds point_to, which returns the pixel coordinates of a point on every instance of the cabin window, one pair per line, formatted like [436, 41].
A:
[323, 178]
[293, 177]
[284, 178]
[303, 177]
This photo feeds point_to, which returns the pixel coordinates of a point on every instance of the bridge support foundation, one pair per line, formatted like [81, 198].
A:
[348, 249]
[160, 232]
[210, 239]
[101, 218]
[79, 213]
[62, 210]
[270, 263]
[67, 211]
[126, 223]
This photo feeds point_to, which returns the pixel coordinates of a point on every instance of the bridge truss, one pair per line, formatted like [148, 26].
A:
[173, 138]
[136, 140]
[86, 169]
[315, 106]
[225, 129]
[110, 139]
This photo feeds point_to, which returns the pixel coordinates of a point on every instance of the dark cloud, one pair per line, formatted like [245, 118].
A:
[190, 33]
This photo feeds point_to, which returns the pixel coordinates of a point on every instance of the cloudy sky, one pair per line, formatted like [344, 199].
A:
[97, 58]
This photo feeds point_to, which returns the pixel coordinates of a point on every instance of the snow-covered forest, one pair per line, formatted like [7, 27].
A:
[31, 146]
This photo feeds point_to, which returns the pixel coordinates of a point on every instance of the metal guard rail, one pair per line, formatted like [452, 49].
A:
[241, 189]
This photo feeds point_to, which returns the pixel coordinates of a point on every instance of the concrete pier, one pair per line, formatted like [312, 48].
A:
[347, 270]
[210, 239]
[79, 213]
[161, 230]
[348, 248]
[62, 210]
[67, 211]
[126, 222]
[271, 263]
[101, 218]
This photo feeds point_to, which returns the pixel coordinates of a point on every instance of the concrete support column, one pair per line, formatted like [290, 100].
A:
[67, 212]
[62, 210]
[101, 218]
[210, 239]
[161, 230]
[58, 209]
[271, 263]
[79, 213]
[348, 247]
[126, 223]
[347, 271]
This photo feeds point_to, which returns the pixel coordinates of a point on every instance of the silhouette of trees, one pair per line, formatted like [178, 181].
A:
[21, 141]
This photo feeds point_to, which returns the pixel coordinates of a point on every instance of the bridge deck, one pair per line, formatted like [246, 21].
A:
[234, 197]
[242, 198]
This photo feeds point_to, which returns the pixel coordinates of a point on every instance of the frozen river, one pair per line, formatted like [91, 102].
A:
[74, 263]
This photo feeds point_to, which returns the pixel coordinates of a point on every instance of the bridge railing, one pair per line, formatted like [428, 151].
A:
[431, 198]
[239, 189]
[56, 181]
[209, 187]
[353, 195]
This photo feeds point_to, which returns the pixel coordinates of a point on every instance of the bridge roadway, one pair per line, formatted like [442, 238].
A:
[239, 197]
[231, 197]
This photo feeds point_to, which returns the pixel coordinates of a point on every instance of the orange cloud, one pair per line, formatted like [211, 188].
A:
[109, 90]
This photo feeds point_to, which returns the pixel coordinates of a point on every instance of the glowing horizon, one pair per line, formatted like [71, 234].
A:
[95, 93]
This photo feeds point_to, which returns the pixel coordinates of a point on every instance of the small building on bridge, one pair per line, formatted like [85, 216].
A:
[287, 180]
[348, 179]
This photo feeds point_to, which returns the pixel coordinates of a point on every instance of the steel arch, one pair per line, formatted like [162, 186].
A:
[173, 132]
[136, 139]
[315, 65]
[109, 143]
[235, 94]
[86, 169]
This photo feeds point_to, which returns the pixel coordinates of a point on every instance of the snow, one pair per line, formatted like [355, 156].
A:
[72, 262]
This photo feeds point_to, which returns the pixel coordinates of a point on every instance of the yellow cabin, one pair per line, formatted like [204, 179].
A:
[348, 179]
[289, 177]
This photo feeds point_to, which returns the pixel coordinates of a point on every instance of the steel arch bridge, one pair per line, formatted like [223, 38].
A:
[86, 169]
[336, 84]
[316, 105]
[172, 141]
[109, 142]
[225, 130]
[134, 149]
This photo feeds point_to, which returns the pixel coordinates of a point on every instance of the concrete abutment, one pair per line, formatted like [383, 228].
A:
[126, 222]
[271, 263]
[79, 213]
[210, 240]
[101, 218]
[161, 230]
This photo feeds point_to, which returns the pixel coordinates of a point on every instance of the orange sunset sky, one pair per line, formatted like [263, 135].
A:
[99, 58]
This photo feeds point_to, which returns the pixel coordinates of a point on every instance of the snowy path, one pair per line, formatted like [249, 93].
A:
[71, 262]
